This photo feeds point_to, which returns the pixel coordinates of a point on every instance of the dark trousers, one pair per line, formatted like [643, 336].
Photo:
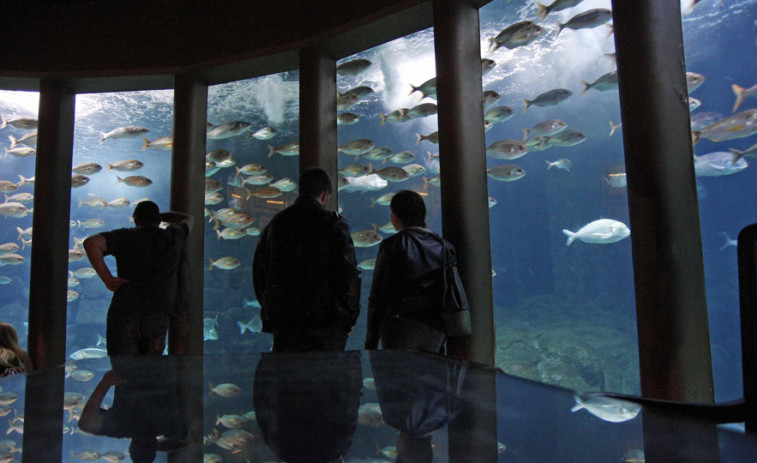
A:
[309, 340]
[137, 335]
[398, 332]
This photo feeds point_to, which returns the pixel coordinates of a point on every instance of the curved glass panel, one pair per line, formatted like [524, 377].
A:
[387, 135]
[722, 90]
[562, 271]
[252, 168]
[122, 155]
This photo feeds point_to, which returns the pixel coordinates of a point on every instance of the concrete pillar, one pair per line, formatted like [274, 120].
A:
[318, 142]
[462, 159]
[674, 342]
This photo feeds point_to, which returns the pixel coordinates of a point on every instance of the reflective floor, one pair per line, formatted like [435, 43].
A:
[357, 406]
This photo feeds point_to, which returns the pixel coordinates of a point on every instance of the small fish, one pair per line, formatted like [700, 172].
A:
[225, 390]
[487, 65]
[228, 130]
[492, 202]
[728, 241]
[602, 231]
[614, 127]
[718, 164]
[285, 184]
[414, 170]
[113, 456]
[160, 143]
[7, 186]
[7, 398]
[431, 138]
[516, 35]
[250, 303]
[499, 114]
[95, 202]
[358, 92]
[266, 133]
[506, 172]
[702, 120]
[545, 128]
[125, 166]
[557, 5]
[21, 151]
[353, 67]
[357, 147]
[506, 149]
[346, 102]
[85, 272]
[89, 353]
[232, 421]
[123, 132]
[253, 326]
[562, 164]
[28, 139]
[14, 209]
[403, 157]
[90, 223]
[369, 414]
[8, 248]
[605, 82]
[586, 20]
[82, 375]
[398, 115]
[289, 149]
[549, 98]
[86, 455]
[135, 180]
[19, 122]
[25, 181]
[693, 81]
[489, 98]
[225, 263]
[427, 89]
[119, 203]
[606, 408]
[4, 280]
[366, 238]
[694, 104]
[253, 168]
[213, 198]
[11, 259]
[347, 119]
[356, 170]
[422, 110]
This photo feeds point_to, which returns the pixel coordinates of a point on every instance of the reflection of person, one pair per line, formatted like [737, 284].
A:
[145, 406]
[307, 405]
[147, 258]
[13, 359]
[404, 304]
[305, 272]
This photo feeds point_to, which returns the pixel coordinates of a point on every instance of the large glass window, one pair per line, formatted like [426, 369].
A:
[562, 270]
[252, 169]
[387, 134]
[722, 90]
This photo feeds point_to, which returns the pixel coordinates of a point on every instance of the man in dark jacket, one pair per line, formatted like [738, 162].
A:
[305, 272]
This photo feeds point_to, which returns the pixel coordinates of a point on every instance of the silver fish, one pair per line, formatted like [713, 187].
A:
[421, 110]
[516, 35]
[427, 88]
[398, 115]
[87, 168]
[431, 138]
[289, 149]
[123, 132]
[266, 133]
[499, 114]
[125, 166]
[392, 174]
[135, 180]
[506, 149]
[27, 139]
[557, 5]
[19, 122]
[566, 138]
[586, 20]
[717, 164]
[218, 156]
[366, 238]
[160, 143]
[353, 67]
[357, 147]
[371, 182]
[549, 98]
[602, 231]
[506, 172]
[562, 164]
[347, 119]
[225, 263]
[228, 130]
[607, 81]
[693, 81]
[403, 157]
[742, 93]
[22, 151]
[739, 125]
[545, 128]
[489, 98]
[285, 184]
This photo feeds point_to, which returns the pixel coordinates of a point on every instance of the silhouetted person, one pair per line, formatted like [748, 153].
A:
[147, 259]
[305, 272]
[404, 307]
[13, 358]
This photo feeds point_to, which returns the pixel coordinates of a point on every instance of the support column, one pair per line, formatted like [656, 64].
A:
[671, 309]
[462, 159]
[318, 143]
[43, 407]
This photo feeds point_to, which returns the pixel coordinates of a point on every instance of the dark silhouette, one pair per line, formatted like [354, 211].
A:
[305, 272]
[13, 358]
[147, 258]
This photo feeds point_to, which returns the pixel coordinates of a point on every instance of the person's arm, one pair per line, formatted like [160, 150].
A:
[177, 217]
[96, 247]
[91, 419]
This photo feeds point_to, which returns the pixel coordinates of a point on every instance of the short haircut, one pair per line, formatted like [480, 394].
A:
[314, 181]
[146, 213]
[409, 208]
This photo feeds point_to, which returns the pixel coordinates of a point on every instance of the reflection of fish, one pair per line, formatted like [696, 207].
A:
[209, 329]
[123, 132]
[606, 408]
[352, 67]
[586, 20]
[506, 172]
[366, 238]
[549, 98]
[600, 231]
[89, 353]
[253, 326]
[717, 164]
[741, 93]
[225, 263]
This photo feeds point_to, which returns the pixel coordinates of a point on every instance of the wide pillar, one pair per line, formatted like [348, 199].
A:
[462, 160]
[674, 343]
[318, 143]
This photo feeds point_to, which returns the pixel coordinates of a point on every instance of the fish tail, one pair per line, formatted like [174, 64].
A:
[525, 133]
[549, 165]
[218, 232]
[559, 29]
[577, 407]
[414, 89]
[249, 193]
[417, 142]
[586, 85]
[6, 152]
[210, 392]
[542, 11]
[211, 264]
[695, 137]
[102, 137]
[271, 150]
[611, 31]
[118, 180]
[737, 154]
[727, 240]
[571, 237]
[740, 93]
[241, 329]
[612, 128]
[373, 202]
[3, 121]
[147, 143]
[80, 202]
[528, 103]
[425, 183]
[383, 119]
[13, 140]
[493, 45]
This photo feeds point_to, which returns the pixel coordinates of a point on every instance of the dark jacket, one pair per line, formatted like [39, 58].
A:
[407, 280]
[305, 272]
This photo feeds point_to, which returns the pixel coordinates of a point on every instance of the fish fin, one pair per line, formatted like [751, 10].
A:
[218, 232]
[735, 128]
[542, 11]
[559, 29]
[414, 89]
[383, 119]
[3, 122]
[740, 93]
[737, 154]
[586, 85]
[577, 407]
[727, 240]
[493, 45]
[102, 137]
[417, 142]
[6, 152]
[425, 183]
[571, 237]
[13, 140]
[211, 264]
[528, 103]
[549, 165]
[147, 143]
[525, 133]
[271, 150]
[612, 30]
[695, 137]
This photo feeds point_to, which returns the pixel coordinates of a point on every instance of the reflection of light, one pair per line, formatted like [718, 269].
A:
[280, 203]
[24, 102]
[236, 196]
[422, 193]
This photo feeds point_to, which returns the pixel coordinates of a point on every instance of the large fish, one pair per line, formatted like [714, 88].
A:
[739, 125]
[717, 164]
[602, 231]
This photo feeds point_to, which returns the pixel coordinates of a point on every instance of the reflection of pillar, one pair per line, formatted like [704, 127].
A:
[43, 415]
[52, 204]
[187, 174]
[674, 343]
[318, 144]
[465, 207]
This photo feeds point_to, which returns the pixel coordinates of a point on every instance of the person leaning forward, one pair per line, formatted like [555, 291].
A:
[305, 272]
[144, 292]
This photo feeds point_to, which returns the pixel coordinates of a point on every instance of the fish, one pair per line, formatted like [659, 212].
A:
[135, 180]
[358, 92]
[8, 248]
[24, 233]
[268, 192]
[403, 157]
[285, 184]
[160, 143]
[225, 263]
[213, 198]
[562, 164]
[398, 115]
[253, 168]
[506, 172]
[369, 414]
[694, 104]
[4, 280]
[232, 421]
[119, 203]
[421, 110]
[549, 98]
[252, 231]
[356, 170]
[353, 67]
[228, 390]
[347, 119]
[602, 231]
[96, 202]
[346, 102]
[383, 200]
[557, 5]
[250, 303]
[113, 456]
[123, 132]
[427, 89]
[586, 20]
[605, 82]
[431, 138]
[237, 220]
[492, 202]
[85, 272]
[414, 170]
[82, 375]
[7, 398]
[368, 264]
[379, 153]
[25, 181]
[11, 259]
[436, 180]
[392, 174]
[739, 125]
[694, 81]
[90, 223]
[499, 114]
[22, 151]
[606, 408]
[741, 94]
[211, 168]
[547, 128]
[266, 133]
[750, 152]
[566, 138]
[212, 185]
[7, 186]
[365, 238]
[72, 281]
[487, 65]
[86, 455]
[614, 127]
[76, 254]
[209, 329]
[228, 130]
[128, 165]
[14, 209]
[616, 180]
[19, 122]
[253, 326]
[89, 353]
[728, 241]
[506, 149]
[718, 164]
[357, 147]
[288, 149]
[516, 35]
[217, 156]
[27, 139]
[370, 182]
